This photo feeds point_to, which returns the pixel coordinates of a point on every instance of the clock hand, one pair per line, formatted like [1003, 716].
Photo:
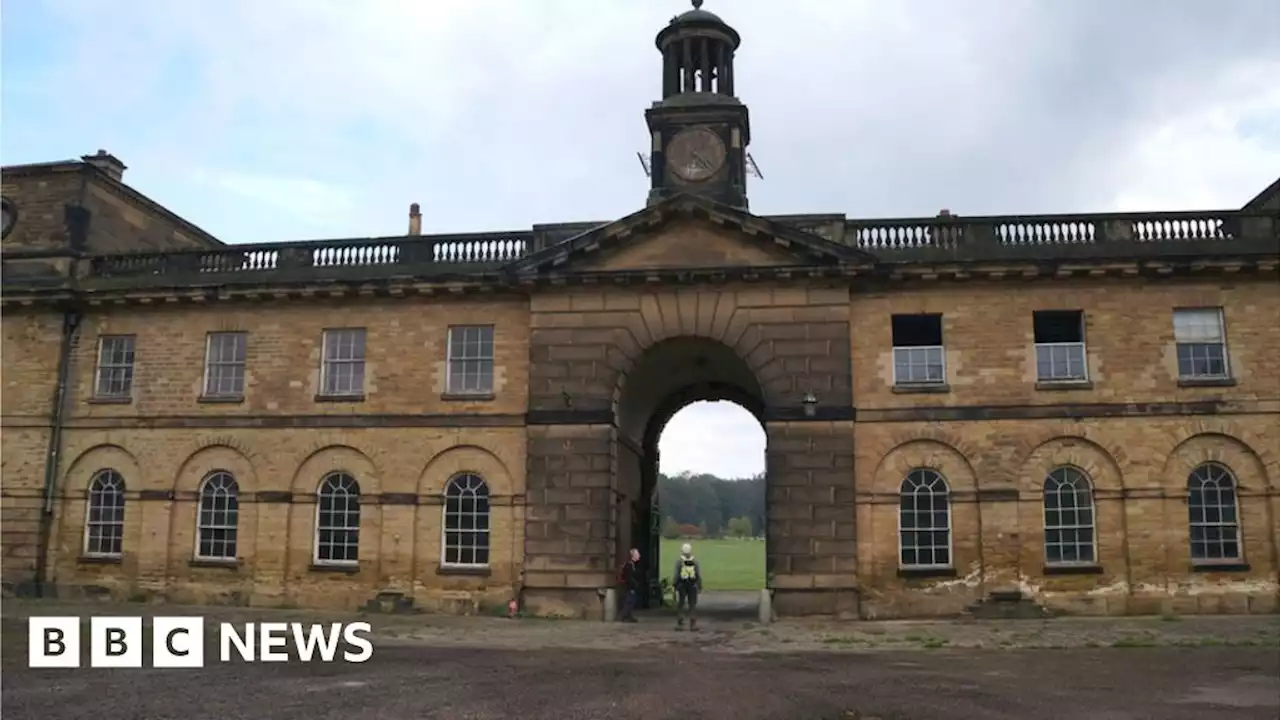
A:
[706, 164]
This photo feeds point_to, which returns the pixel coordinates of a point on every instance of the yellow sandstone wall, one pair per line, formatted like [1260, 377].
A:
[994, 437]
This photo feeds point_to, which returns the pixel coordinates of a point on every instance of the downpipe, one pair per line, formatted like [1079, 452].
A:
[70, 326]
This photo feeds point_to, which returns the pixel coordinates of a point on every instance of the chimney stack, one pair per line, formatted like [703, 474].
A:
[107, 163]
[415, 220]
[944, 212]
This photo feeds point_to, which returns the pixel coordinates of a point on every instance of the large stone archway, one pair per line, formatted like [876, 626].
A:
[607, 369]
[668, 377]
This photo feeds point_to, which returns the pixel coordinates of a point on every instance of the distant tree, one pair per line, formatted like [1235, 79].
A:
[690, 531]
[670, 528]
[702, 529]
[692, 499]
[740, 527]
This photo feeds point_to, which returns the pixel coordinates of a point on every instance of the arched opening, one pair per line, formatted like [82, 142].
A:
[711, 495]
[702, 380]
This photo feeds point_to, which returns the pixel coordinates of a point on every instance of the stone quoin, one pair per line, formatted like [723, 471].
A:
[1074, 413]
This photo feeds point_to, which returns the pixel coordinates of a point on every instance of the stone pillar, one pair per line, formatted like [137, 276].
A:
[571, 521]
[812, 535]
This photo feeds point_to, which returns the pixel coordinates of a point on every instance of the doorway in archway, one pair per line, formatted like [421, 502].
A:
[710, 494]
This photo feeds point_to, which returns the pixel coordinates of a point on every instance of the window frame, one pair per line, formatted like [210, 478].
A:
[1093, 514]
[946, 492]
[120, 488]
[1209, 562]
[908, 350]
[328, 364]
[449, 376]
[234, 527]
[130, 367]
[487, 514]
[316, 559]
[210, 363]
[1083, 344]
[1221, 317]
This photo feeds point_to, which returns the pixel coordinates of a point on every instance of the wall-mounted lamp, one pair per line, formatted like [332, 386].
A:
[810, 404]
[567, 398]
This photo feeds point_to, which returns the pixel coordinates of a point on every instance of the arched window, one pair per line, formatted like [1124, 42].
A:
[924, 521]
[1068, 518]
[1215, 524]
[466, 521]
[338, 520]
[219, 513]
[104, 519]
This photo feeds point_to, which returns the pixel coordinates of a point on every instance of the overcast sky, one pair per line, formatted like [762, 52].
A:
[264, 120]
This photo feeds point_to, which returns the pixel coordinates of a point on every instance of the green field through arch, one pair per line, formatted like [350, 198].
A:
[727, 564]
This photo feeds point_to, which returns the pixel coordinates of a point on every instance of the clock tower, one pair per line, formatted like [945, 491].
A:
[699, 130]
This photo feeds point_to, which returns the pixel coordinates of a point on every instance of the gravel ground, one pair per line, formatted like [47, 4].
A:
[481, 668]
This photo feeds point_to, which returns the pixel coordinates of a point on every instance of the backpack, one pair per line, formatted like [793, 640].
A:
[622, 573]
[688, 570]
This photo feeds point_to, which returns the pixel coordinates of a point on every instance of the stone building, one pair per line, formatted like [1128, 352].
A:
[1084, 408]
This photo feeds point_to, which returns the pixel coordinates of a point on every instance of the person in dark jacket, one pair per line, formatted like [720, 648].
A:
[630, 577]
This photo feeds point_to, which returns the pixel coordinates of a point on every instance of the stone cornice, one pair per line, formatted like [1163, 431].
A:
[498, 285]
[906, 253]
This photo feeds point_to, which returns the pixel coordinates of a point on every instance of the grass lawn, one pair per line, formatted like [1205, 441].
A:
[726, 564]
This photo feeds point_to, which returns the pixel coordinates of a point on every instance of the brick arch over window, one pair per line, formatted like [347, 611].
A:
[326, 459]
[196, 468]
[880, 522]
[75, 483]
[1053, 533]
[465, 459]
[1091, 458]
[504, 539]
[1233, 433]
[333, 458]
[184, 518]
[929, 454]
[76, 477]
[1072, 436]
[1249, 479]
[762, 327]
[1246, 465]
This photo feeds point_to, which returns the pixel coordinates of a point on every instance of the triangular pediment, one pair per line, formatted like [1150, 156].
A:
[689, 232]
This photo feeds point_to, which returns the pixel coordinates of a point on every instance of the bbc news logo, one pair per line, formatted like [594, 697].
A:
[178, 642]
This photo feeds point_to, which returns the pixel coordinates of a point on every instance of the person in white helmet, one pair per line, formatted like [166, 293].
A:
[688, 583]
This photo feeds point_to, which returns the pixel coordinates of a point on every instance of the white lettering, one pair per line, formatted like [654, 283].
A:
[349, 634]
[243, 645]
[116, 642]
[328, 644]
[272, 636]
[177, 642]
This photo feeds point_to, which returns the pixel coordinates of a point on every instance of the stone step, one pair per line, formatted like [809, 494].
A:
[1006, 604]
[387, 602]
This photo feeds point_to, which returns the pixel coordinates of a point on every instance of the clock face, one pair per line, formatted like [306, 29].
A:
[695, 155]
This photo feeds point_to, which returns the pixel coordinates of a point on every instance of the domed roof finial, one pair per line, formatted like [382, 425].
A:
[697, 4]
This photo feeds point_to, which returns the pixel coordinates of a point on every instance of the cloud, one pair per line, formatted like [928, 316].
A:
[303, 198]
[718, 437]
[290, 119]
